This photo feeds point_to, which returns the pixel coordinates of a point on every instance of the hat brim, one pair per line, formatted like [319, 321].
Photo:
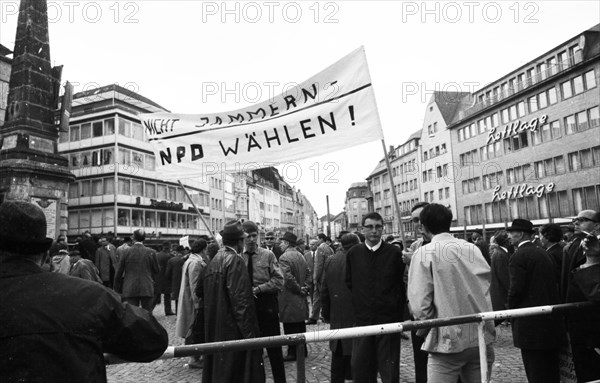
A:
[32, 246]
[510, 229]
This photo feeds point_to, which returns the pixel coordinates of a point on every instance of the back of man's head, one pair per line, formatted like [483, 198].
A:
[139, 235]
[198, 246]
[436, 218]
[418, 205]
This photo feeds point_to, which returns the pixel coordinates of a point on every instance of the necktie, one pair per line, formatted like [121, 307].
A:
[250, 268]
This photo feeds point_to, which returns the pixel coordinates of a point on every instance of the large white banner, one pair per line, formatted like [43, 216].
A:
[333, 110]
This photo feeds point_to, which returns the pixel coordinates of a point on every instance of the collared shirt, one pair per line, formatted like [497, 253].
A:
[374, 248]
[266, 274]
[524, 242]
[450, 277]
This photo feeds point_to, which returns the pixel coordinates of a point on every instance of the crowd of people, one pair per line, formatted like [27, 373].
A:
[236, 288]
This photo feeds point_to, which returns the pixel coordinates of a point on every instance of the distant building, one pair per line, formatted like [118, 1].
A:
[117, 188]
[356, 205]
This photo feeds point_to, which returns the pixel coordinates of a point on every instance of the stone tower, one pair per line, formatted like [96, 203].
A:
[30, 167]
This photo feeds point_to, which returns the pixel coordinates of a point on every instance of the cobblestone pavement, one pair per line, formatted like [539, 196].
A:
[508, 367]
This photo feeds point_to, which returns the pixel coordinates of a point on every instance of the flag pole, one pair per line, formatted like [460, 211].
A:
[197, 210]
[393, 189]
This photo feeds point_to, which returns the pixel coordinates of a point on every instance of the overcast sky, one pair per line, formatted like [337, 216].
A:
[208, 57]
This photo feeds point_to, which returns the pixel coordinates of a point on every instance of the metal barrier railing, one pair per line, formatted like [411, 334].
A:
[355, 332]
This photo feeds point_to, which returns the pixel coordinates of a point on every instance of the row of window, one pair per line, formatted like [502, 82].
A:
[101, 157]
[103, 127]
[133, 187]
[406, 167]
[443, 193]
[554, 204]
[574, 123]
[407, 186]
[434, 152]
[578, 160]
[532, 75]
[441, 171]
[96, 218]
[569, 88]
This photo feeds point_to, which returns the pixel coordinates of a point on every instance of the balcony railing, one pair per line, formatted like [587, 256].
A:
[519, 86]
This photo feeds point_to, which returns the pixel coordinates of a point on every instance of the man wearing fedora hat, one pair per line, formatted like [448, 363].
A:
[230, 312]
[533, 283]
[293, 302]
[582, 324]
[55, 327]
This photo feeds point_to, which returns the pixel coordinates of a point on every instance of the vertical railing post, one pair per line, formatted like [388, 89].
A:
[482, 351]
[300, 362]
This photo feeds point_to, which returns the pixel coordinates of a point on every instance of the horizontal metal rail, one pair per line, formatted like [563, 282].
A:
[355, 332]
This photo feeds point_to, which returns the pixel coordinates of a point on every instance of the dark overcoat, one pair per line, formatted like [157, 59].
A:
[136, 271]
[293, 304]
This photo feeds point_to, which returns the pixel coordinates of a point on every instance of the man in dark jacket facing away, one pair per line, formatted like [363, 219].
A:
[337, 308]
[63, 325]
[533, 283]
[230, 313]
[162, 285]
[134, 278]
[374, 273]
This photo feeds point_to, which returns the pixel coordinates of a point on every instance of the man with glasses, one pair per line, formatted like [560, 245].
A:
[374, 271]
[420, 356]
[582, 324]
[271, 245]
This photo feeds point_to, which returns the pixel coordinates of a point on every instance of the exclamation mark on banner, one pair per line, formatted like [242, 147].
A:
[351, 109]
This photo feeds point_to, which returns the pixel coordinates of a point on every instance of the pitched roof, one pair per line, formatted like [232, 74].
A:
[449, 103]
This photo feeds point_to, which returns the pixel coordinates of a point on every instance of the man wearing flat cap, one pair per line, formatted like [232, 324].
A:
[582, 324]
[293, 302]
[63, 325]
[230, 312]
[267, 282]
[533, 283]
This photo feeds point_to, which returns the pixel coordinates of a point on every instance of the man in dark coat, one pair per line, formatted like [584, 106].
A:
[174, 273]
[323, 252]
[134, 278]
[162, 286]
[551, 240]
[87, 247]
[63, 325]
[293, 301]
[532, 283]
[374, 273]
[336, 307]
[106, 261]
[267, 282]
[230, 313]
[582, 324]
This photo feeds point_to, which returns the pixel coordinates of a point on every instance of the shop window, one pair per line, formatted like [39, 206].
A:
[86, 131]
[109, 186]
[97, 218]
[109, 217]
[124, 127]
[124, 186]
[124, 217]
[73, 220]
[150, 220]
[137, 218]
[84, 220]
[97, 129]
[137, 188]
[74, 133]
[150, 190]
[162, 219]
[109, 126]
[97, 187]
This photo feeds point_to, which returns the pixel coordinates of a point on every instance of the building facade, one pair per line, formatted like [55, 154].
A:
[356, 205]
[117, 188]
[528, 146]
[5, 68]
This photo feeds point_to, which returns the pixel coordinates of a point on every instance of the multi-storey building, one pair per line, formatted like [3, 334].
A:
[5, 69]
[117, 187]
[437, 170]
[528, 145]
[356, 205]
[405, 175]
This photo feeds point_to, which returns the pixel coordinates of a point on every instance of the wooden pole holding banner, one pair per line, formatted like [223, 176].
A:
[196, 208]
[393, 188]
